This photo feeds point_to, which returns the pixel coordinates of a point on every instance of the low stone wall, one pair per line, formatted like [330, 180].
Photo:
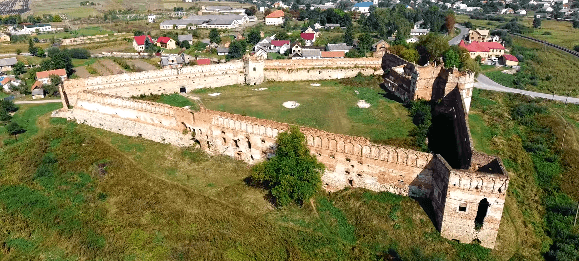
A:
[314, 74]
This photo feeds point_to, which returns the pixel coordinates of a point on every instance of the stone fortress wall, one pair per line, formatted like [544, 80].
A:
[104, 102]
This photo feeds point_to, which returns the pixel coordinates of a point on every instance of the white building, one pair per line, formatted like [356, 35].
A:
[151, 18]
[275, 18]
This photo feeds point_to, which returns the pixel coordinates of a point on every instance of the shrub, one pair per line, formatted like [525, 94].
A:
[293, 174]
[422, 118]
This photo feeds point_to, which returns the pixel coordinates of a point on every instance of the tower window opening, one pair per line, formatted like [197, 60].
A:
[483, 208]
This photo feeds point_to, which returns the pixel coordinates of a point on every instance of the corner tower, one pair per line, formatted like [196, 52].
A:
[469, 207]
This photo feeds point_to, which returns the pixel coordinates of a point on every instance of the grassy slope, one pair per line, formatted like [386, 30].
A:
[331, 107]
[562, 32]
[555, 71]
[72, 191]
[523, 231]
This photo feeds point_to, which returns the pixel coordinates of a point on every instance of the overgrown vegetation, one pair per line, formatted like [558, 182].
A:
[174, 99]
[420, 111]
[541, 167]
[293, 174]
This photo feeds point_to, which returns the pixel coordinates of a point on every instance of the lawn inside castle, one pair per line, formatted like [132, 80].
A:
[332, 106]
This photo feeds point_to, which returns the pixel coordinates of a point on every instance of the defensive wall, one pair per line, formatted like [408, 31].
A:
[479, 183]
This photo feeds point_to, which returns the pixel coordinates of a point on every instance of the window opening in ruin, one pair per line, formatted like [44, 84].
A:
[223, 132]
[224, 141]
[462, 207]
[182, 90]
[348, 159]
[351, 182]
[333, 157]
[141, 135]
[262, 141]
[248, 144]
[254, 69]
[208, 145]
[475, 241]
[500, 190]
[483, 207]
[236, 144]
[251, 157]
[359, 175]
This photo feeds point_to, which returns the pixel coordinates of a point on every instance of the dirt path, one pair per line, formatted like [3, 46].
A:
[81, 72]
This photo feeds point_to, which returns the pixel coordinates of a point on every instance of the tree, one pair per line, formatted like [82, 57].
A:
[14, 129]
[31, 48]
[575, 23]
[450, 20]
[422, 119]
[451, 59]
[185, 44]
[478, 59]
[431, 47]
[254, 36]
[18, 69]
[410, 55]
[59, 59]
[365, 43]
[251, 11]
[349, 36]
[536, 22]
[293, 174]
[4, 115]
[52, 88]
[8, 105]
[214, 36]
[56, 19]
[237, 49]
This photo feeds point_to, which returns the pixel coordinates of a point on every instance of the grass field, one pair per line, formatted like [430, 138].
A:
[561, 32]
[85, 31]
[76, 192]
[171, 99]
[520, 144]
[331, 107]
[544, 69]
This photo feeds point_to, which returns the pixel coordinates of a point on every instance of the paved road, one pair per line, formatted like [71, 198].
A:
[37, 102]
[487, 84]
[462, 35]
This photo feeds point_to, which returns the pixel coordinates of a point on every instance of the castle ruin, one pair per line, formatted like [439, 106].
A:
[468, 200]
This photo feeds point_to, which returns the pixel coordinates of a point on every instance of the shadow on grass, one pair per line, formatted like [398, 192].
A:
[426, 205]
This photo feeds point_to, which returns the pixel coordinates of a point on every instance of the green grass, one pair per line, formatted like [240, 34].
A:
[174, 99]
[85, 31]
[83, 62]
[118, 197]
[562, 32]
[27, 117]
[501, 78]
[555, 71]
[330, 107]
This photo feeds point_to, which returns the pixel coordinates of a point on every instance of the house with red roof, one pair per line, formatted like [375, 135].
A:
[275, 18]
[509, 60]
[44, 76]
[309, 38]
[485, 50]
[333, 54]
[139, 42]
[166, 42]
[203, 61]
[280, 46]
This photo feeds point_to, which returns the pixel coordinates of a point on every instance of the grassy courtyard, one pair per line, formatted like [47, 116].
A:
[330, 107]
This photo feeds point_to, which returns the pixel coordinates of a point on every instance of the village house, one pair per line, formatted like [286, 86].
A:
[485, 50]
[203, 61]
[362, 7]
[280, 46]
[308, 54]
[309, 38]
[8, 82]
[332, 55]
[222, 51]
[380, 48]
[166, 42]
[509, 60]
[419, 32]
[44, 76]
[151, 18]
[339, 47]
[275, 18]
[37, 90]
[173, 61]
[478, 35]
[4, 38]
[228, 21]
[186, 37]
[7, 64]
[221, 9]
[139, 42]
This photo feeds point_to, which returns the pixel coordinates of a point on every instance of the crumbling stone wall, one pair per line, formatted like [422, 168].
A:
[476, 194]
[456, 193]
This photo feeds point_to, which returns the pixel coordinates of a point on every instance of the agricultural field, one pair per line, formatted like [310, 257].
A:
[331, 107]
[14, 6]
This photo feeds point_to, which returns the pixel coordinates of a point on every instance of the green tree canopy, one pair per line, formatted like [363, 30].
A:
[18, 69]
[14, 129]
[214, 36]
[237, 49]
[293, 174]
[537, 22]
[451, 59]
[349, 35]
[431, 47]
[254, 37]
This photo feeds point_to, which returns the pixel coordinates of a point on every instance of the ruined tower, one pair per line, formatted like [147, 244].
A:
[253, 69]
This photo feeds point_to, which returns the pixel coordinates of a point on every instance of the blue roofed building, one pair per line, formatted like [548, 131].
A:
[362, 7]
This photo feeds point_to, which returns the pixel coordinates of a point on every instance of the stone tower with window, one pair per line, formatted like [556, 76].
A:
[469, 203]
[253, 69]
